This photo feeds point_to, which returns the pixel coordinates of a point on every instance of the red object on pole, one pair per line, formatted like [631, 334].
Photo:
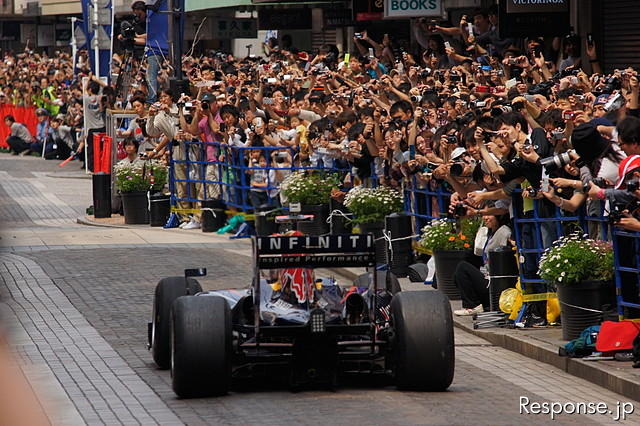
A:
[101, 153]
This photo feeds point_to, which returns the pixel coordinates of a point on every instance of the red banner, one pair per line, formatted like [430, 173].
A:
[24, 115]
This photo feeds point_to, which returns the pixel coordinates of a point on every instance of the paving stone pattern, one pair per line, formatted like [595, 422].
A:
[102, 387]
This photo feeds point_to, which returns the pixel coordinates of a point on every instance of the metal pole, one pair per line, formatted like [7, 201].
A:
[96, 46]
[74, 45]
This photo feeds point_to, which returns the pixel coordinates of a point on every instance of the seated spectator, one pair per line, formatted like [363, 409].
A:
[472, 282]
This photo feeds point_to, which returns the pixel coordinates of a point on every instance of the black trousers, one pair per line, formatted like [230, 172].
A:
[472, 286]
[17, 145]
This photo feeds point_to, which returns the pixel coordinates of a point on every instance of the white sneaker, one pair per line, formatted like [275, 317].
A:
[465, 312]
[193, 224]
[183, 224]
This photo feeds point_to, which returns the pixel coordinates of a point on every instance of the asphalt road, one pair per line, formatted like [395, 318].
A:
[77, 314]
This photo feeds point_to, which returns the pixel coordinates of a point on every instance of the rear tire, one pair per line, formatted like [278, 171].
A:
[167, 291]
[423, 349]
[201, 347]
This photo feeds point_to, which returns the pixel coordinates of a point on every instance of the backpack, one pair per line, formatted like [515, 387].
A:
[584, 345]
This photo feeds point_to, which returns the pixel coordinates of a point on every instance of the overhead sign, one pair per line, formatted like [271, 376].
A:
[230, 28]
[284, 19]
[412, 8]
[521, 18]
[368, 10]
[334, 18]
[537, 6]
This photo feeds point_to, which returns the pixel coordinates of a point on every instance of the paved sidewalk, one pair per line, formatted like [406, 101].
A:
[79, 376]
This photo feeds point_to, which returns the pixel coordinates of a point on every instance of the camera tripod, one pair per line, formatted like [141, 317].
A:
[125, 79]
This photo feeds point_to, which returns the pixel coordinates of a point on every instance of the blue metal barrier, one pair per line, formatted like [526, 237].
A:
[232, 173]
[626, 257]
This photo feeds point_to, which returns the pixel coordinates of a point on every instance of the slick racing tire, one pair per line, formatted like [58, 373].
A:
[200, 346]
[423, 348]
[167, 291]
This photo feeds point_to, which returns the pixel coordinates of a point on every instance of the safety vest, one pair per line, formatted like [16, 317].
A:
[49, 92]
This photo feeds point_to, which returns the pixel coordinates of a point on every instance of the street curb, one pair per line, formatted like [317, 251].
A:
[88, 222]
[601, 375]
[591, 371]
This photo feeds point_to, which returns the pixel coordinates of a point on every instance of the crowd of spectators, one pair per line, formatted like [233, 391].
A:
[48, 84]
[465, 111]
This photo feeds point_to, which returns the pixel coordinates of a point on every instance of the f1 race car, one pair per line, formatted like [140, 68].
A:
[311, 328]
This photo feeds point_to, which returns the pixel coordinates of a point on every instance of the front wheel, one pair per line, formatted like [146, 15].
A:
[423, 347]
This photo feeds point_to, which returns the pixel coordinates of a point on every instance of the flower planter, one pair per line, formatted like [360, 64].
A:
[136, 208]
[317, 226]
[446, 263]
[377, 229]
[578, 303]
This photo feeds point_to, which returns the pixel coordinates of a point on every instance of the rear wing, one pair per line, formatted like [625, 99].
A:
[306, 251]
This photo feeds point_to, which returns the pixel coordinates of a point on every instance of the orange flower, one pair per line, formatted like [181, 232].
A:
[452, 238]
[466, 245]
[462, 237]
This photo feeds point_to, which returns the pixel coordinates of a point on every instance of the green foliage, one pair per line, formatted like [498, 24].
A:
[574, 259]
[309, 188]
[140, 176]
[373, 204]
[443, 235]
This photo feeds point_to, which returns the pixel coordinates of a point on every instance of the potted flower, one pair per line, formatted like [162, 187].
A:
[582, 271]
[449, 245]
[313, 192]
[370, 206]
[133, 181]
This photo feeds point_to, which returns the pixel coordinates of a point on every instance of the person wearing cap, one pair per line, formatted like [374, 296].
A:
[42, 132]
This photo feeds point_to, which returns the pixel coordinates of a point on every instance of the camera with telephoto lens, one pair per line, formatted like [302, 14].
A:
[555, 162]
[632, 185]
[616, 212]
[416, 98]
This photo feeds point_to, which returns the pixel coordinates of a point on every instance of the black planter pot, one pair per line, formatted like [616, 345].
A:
[136, 208]
[377, 229]
[577, 303]
[319, 225]
[266, 220]
[446, 263]
[159, 209]
[401, 254]
[339, 224]
[213, 215]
